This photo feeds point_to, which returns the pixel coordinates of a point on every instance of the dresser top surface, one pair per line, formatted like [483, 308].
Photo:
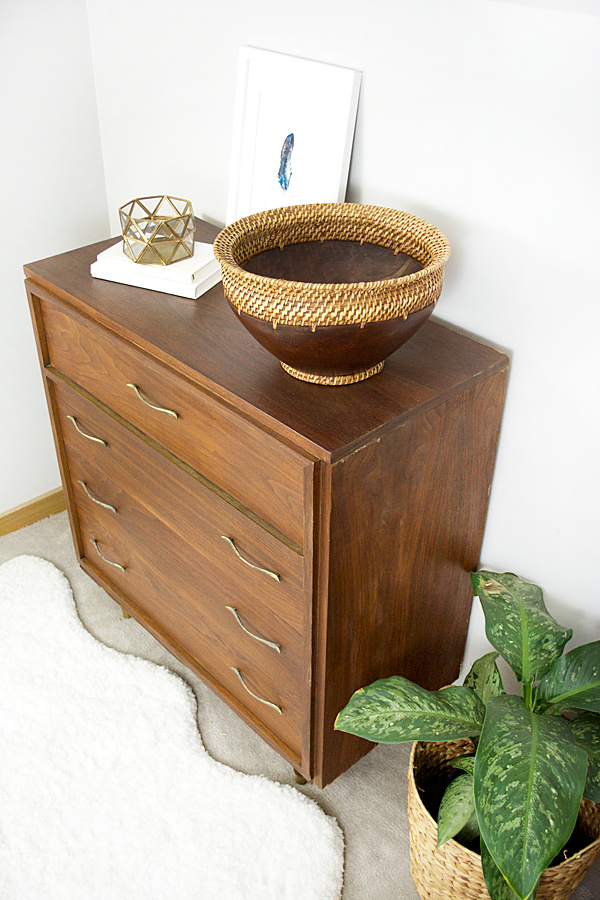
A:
[203, 340]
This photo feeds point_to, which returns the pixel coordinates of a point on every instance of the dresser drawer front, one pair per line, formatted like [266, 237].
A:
[119, 468]
[252, 466]
[159, 539]
[164, 583]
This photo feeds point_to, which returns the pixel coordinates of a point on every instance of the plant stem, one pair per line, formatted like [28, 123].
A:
[527, 694]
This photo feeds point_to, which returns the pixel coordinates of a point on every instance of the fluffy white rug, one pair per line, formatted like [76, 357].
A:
[106, 790]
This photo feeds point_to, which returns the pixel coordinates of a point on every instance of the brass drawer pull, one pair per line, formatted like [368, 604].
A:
[90, 437]
[268, 572]
[109, 561]
[169, 412]
[94, 499]
[256, 697]
[236, 616]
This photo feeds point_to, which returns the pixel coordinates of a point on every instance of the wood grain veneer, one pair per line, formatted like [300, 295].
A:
[369, 500]
[107, 368]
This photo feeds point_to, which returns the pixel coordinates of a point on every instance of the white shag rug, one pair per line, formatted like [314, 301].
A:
[106, 790]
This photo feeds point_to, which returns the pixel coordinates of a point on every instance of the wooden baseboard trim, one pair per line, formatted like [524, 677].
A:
[33, 511]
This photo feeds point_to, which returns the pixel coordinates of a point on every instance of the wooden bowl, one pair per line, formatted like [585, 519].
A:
[332, 289]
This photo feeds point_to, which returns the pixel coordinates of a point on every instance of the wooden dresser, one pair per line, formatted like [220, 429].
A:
[288, 542]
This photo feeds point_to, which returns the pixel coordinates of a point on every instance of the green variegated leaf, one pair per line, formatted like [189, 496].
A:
[484, 677]
[573, 681]
[457, 811]
[497, 886]
[470, 833]
[586, 730]
[529, 779]
[466, 763]
[395, 709]
[591, 790]
[518, 624]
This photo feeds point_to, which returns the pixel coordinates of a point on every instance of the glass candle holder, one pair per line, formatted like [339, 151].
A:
[157, 230]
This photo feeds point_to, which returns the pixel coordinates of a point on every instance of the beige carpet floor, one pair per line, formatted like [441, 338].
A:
[368, 801]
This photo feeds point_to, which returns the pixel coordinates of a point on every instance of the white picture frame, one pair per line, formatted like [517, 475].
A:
[293, 130]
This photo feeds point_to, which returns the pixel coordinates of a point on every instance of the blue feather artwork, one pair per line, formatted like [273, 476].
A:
[285, 164]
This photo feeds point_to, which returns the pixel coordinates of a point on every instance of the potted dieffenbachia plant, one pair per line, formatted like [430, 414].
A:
[532, 756]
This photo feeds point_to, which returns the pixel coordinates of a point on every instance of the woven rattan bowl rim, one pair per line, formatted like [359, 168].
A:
[304, 303]
[453, 864]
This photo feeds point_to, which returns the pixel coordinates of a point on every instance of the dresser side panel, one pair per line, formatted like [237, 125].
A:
[42, 347]
[407, 521]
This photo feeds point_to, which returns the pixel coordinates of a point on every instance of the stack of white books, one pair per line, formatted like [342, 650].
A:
[189, 277]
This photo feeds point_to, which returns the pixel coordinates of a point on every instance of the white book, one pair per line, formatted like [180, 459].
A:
[187, 271]
[140, 277]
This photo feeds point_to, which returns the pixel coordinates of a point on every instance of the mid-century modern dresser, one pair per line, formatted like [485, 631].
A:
[289, 542]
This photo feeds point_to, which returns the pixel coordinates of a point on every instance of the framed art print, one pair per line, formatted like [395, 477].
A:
[293, 131]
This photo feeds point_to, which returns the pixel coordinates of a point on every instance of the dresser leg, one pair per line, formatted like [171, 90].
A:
[300, 779]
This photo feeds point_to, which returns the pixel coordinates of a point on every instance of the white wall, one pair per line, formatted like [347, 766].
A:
[52, 198]
[481, 116]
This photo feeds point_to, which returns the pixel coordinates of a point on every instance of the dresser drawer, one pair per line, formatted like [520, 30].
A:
[118, 467]
[164, 581]
[252, 466]
[157, 534]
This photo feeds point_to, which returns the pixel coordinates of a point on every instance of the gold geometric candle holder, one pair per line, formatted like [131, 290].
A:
[157, 230]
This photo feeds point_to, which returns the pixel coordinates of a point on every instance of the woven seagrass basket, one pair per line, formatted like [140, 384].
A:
[332, 289]
[452, 871]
